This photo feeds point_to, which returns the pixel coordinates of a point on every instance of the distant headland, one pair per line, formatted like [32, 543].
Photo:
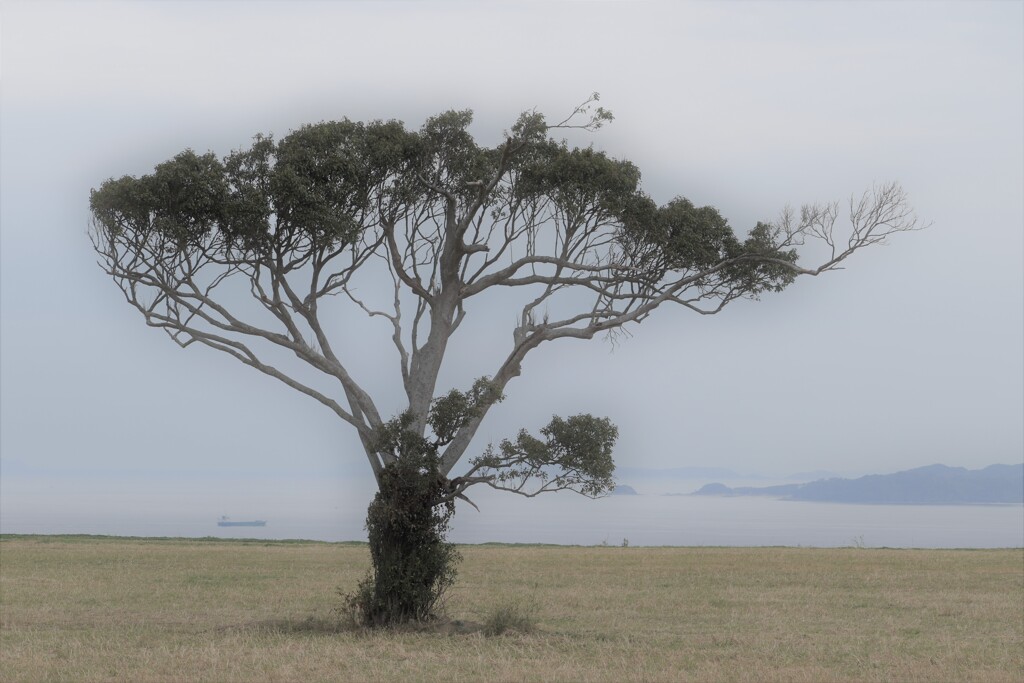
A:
[930, 485]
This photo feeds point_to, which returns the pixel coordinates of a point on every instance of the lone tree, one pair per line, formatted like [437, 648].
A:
[253, 251]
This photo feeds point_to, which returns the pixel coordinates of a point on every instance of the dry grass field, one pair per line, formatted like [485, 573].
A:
[99, 609]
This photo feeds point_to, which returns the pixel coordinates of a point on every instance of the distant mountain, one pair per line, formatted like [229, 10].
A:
[934, 484]
[623, 490]
[716, 489]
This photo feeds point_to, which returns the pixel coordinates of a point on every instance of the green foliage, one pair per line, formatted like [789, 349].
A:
[326, 184]
[181, 201]
[249, 206]
[319, 186]
[452, 159]
[578, 180]
[764, 267]
[325, 175]
[681, 236]
[452, 411]
[575, 454]
[695, 237]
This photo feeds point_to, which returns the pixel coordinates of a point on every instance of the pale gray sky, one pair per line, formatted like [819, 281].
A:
[911, 356]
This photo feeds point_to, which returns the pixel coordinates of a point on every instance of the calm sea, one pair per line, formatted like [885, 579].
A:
[329, 514]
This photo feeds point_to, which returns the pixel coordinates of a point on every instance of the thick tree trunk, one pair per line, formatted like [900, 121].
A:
[413, 564]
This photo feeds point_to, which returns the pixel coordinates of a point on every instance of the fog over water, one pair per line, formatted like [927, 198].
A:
[326, 511]
[913, 355]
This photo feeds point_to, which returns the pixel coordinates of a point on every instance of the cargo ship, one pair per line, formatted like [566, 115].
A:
[226, 521]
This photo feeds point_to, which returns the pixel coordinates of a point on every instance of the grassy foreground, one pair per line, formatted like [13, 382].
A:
[93, 609]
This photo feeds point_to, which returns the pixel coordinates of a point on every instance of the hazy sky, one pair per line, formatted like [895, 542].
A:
[911, 356]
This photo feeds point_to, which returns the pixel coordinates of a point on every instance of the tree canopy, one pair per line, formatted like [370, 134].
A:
[437, 220]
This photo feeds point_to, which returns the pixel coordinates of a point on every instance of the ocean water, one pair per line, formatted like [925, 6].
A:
[329, 513]
[741, 521]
